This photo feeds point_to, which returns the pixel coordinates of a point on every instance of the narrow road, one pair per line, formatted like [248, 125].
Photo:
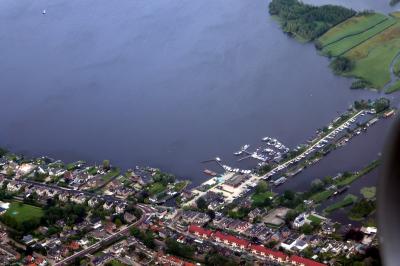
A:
[147, 213]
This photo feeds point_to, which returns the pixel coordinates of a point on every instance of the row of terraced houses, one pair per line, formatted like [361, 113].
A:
[243, 244]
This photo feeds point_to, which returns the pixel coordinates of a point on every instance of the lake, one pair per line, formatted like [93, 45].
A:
[161, 83]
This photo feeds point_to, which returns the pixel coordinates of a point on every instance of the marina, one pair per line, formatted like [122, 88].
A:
[294, 161]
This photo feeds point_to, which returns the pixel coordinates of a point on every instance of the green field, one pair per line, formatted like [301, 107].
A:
[23, 212]
[348, 200]
[395, 87]
[348, 43]
[259, 198]
[156, 188]
[350, 179]
[353, 25]
[368, 192]
[314, 219]
[111, 174]
[321, 196]
[370, 47]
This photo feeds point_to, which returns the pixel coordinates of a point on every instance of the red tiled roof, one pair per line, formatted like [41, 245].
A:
[262, 249]
[199, 230]
[39, 260]
[175, 259]
[278, 254]
[305, 261]
[232, 239]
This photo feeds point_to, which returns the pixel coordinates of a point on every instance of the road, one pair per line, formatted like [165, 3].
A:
[69, 190]
[147, 213]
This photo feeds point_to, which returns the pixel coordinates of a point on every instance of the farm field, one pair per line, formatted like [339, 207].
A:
[371, 51]
[350, 27]
[340, 47]
[395, 87]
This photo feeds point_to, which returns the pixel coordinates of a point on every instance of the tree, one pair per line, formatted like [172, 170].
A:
[306, 229]
[3, 152]
[341, 65]
[308, 21]
[118, 222]
[317, 185]
[106, 165]
[175, 248]
[288, 195]
[381, 104]
[261, 187]
[135, 231]
[201, 203]
[211, 213]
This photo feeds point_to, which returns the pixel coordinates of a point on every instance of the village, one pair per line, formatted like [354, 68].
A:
[53, 213]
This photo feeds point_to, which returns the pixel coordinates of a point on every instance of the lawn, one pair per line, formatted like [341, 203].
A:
[259, 198]
[370, 42]
[112, 173]
[347, 181]
[396, 68]
[321, 196]
[116, 263]
[395, 87]
[180, 185]
[368, 192]
[314, 219]
[353, 25]
[348, 200]
[373, 57]
[348, 43]
[23, 212]
[156, 188]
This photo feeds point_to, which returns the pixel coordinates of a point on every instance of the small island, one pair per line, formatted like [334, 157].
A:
[363, 45]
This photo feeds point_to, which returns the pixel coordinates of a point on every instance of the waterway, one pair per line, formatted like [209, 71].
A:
[164, 83]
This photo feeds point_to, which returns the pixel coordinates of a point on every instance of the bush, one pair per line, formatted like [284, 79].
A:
[341, 65]
[360, 84]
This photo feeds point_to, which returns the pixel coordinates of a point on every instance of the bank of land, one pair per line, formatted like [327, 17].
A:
[362, 45]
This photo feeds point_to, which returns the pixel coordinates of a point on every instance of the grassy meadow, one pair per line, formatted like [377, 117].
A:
[371, 42]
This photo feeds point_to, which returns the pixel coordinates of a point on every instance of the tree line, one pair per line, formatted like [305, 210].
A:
[308, 21]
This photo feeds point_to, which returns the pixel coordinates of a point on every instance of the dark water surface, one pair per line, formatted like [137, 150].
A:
[161, 83]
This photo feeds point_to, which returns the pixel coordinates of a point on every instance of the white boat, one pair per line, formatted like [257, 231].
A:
[44, 12]
[245, 147]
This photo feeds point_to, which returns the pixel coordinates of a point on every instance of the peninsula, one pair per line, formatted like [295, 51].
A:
[362, 45]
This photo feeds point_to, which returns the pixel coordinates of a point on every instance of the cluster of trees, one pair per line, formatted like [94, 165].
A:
[381, 104]
[360, 84]
[147, 237]
[307, 21]
[261, 197]
[69, 213]
[264, 169]
[214, 258]
[163, 178]
[341, 65]
[362, 209]
[178, 249]
[3, 152]
[201, 203]
[362, 104]
[22, 227]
